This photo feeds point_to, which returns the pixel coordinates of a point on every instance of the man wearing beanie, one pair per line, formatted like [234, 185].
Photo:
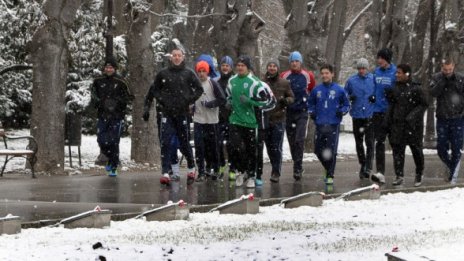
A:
[205, 119]
[274, 133]
[301, 82]
[245, 93]
[110, 95]
[360, 90]
[384, 77]
[175, 88]
[226, 70]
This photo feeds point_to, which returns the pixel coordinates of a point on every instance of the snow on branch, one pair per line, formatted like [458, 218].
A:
[356, 19]
[187, 16]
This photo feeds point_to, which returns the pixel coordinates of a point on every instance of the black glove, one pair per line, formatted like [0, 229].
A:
[283, 102]
[352, 98]
[207, 104]
[312, 116]
[146, 115]
[228, 105]
[372, 99]
[339, 114]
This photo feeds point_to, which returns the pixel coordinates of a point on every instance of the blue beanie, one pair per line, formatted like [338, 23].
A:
[209, 59]
[227, 60]
[295, 56]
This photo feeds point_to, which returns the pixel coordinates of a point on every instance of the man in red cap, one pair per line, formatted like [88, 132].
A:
[205, 120]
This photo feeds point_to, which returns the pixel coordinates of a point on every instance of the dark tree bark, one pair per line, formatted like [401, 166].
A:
[50, 67]
[336, 39]
[233, 29]
[140, 58]
[417, 48]
[307, 28]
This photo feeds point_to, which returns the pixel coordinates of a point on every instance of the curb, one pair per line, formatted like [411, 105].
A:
[262, 203]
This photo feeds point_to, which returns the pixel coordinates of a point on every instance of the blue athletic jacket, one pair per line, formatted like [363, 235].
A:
[361, 87]
[325, 101]
[384, 80]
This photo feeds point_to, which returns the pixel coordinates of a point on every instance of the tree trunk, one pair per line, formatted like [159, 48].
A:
[232, 30]
[307, 27]
[399, 30]
[50, 67]
[140, 58]
[336, 39]
[417, 47]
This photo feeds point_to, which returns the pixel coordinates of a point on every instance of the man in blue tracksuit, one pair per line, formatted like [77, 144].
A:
[385, 78]
[327, 105]
[360, 90]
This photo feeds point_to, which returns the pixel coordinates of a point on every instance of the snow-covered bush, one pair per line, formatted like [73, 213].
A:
[18, 21]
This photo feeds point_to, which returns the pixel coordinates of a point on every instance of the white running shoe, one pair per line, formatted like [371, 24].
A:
[239, 180]
[250, 182]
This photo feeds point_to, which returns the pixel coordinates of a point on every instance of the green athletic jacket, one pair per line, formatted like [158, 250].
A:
[245, 93]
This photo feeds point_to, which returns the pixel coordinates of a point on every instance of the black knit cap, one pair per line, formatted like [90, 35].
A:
[385, 54]
[246, 60]
[112, 61]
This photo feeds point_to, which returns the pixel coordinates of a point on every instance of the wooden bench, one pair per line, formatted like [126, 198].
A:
[29, 153]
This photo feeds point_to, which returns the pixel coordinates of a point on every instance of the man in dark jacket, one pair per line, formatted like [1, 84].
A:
[448, 87]
[110, 95]
[274, 133]
[175, 88]
[405, 117]
[226, 70]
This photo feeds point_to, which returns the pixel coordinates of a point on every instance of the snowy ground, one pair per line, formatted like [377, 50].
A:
[428, 224]
[90, 151]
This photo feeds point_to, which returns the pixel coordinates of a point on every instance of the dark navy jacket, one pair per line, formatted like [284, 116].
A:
[325, 101]
[302, 83]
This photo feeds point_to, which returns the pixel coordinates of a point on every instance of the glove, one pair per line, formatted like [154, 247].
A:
[372, 99]
[312, 116]
[339, 114]
[283, 102]
[206, 104]
[228, 105]
[146, 115]
[243, 99]
[352, 98]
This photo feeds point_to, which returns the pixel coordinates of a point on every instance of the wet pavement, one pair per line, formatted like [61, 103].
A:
[53, 197]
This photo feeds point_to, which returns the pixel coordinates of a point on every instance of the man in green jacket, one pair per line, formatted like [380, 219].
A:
[245, 93]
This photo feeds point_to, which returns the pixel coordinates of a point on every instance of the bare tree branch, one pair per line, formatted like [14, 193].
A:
[15, 67]
[355, 20]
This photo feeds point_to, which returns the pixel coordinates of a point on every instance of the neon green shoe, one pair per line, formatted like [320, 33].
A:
[232, 175]
[222, 170]
[329, 181]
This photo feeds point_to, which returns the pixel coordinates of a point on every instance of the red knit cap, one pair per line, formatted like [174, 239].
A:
[202, 65]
